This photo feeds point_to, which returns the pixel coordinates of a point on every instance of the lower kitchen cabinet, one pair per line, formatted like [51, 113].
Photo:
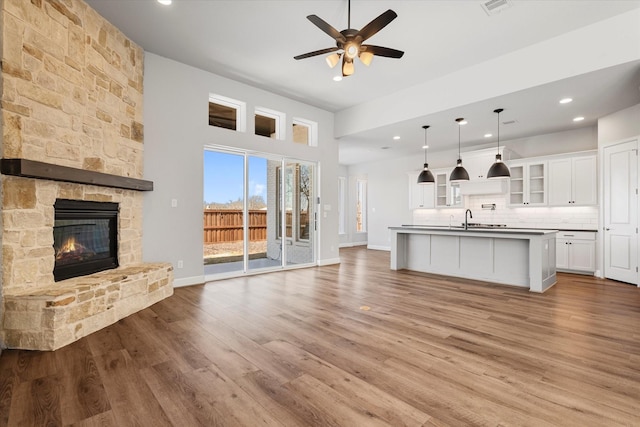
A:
[576, 251]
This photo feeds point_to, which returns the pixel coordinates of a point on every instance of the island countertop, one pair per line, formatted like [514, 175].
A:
[481, 229]
[515, 256]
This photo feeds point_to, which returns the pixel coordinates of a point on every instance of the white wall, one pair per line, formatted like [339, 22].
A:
[176, 98]
[619, 125]
[389, 190]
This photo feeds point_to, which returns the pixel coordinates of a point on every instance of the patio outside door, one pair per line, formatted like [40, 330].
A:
[259, 213]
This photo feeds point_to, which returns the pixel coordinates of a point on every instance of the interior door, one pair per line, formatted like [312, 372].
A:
[621, 212]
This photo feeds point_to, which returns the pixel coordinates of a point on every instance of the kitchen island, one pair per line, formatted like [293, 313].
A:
[518, 257]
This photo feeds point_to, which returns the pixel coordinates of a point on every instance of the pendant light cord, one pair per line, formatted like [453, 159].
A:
[425, 143]
[459, 154]
[498, 132]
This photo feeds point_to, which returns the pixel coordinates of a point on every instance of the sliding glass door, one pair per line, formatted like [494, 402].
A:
[224, 184]
[259, 212]
[264, 252]
[299, 184]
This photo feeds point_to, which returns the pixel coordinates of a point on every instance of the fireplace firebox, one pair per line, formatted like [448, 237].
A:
[85, 238]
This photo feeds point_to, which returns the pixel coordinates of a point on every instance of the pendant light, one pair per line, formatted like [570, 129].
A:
[425, 177]
[459, 173]
[498, 169]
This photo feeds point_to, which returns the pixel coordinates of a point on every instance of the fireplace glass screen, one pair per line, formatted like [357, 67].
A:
[84, 238]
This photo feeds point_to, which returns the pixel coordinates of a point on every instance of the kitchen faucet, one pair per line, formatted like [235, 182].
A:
[466, 223]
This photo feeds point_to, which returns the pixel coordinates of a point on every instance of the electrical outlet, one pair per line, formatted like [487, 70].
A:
[174, 203]
[180, 264]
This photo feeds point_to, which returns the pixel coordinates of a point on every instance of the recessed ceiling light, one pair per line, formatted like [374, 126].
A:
[578, 119]
[566, 100]
[165, 2]
[337, 78]
[488, 135]
[425, 146]
[396, 137]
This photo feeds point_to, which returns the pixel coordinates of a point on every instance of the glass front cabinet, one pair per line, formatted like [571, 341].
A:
[528, 184]
[448, 193]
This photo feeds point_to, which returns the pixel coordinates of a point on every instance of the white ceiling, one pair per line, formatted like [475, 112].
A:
[254, 41]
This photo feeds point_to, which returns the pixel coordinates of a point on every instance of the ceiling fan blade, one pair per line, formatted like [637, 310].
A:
[382, 51]
[377, 24]
[316, 53]
[324, 26]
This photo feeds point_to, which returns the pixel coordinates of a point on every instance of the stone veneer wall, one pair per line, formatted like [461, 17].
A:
[71, 87]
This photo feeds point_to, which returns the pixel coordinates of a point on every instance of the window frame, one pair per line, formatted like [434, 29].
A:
[239, 106]
[361, 205]
[312, 133]
[279, 118]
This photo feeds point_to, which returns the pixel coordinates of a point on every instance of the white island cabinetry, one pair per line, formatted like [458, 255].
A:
[517, 257]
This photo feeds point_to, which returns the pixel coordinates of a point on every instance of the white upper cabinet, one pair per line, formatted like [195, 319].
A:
[477, 163]
[421, 196]
[528, 184]
[447, 194]
[573, 181]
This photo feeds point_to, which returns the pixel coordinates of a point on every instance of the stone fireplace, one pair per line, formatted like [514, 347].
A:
[72, 136]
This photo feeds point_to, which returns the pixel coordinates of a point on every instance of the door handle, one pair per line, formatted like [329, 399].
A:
[607, 229]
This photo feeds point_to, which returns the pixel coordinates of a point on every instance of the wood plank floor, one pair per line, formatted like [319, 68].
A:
[354, 344]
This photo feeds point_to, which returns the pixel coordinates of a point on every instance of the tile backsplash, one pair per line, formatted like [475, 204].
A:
[575, 217]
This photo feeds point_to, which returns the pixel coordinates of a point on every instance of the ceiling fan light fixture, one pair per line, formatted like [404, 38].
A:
[333, 59]
[366, 58]
[347, 68]
[351, 50]
[349, 42]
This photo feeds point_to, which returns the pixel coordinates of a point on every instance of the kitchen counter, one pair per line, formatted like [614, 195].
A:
[514, 256]
[489, 227]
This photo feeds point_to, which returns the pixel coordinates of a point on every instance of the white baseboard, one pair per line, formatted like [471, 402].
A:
[352, 244]
[379, 248]
[328, 261]
[188, 281]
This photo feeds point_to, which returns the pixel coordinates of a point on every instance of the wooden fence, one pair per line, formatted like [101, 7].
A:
[225, 225]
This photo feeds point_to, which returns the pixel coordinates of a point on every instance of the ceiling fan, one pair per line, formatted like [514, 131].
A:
[349, 42]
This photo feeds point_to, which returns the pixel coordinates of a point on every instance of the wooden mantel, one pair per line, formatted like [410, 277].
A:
[33, 169]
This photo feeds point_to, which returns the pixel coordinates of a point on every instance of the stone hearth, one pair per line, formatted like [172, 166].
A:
[71, 88]
[49, 318]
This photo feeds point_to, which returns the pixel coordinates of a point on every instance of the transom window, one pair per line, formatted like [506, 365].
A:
[269, 123]
[227, 113]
